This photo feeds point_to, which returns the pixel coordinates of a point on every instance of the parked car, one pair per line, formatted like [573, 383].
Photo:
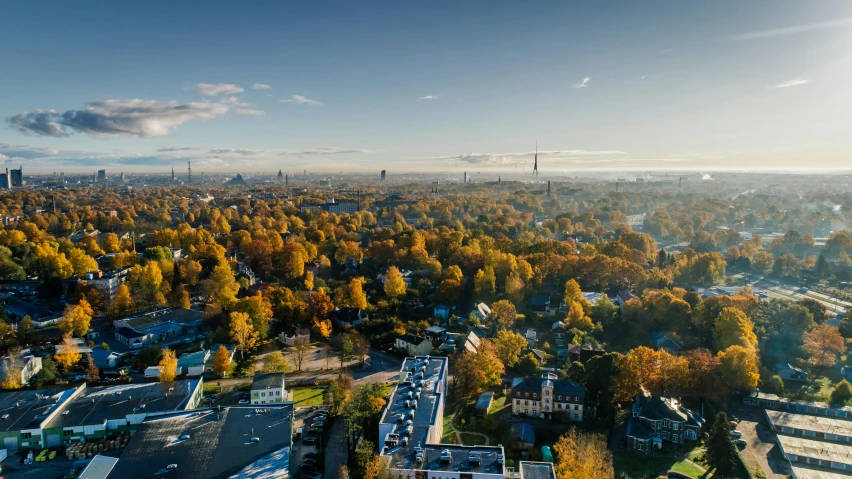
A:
[311, 438]
[736, 434]
[244, 401]
[740, 442]
[309, 460]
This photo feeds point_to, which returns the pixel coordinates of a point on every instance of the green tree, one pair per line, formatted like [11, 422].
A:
[509, 346]
[841, 393]
[775, 385]
[721, 452]
[26, 333]
[529, 365]
[275, 362]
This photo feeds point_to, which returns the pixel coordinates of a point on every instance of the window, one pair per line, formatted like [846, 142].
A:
[559, 397]
[675, 426]
[674, 438]
[26, 435]
[67, 433]
[535, 395]
[527, 394]
[576, 398]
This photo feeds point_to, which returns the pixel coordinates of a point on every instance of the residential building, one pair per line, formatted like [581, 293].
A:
[413, 345]
[559, 329]
[656, 419]
[193, 364]
[26, 367]
[529, 335]
[663, 341]
[481, 311]
[623, 297]
[157, 326]
[231, 441]
[435, 333]
[581, 354]
[523, 435]
[542, 397]
[295, 335]
[350, 317]
[541, 304]
[16, 177]
[109, 282]
[105, 359]
[788, 372]
[441, 311]
[268, 388]
[332, 207]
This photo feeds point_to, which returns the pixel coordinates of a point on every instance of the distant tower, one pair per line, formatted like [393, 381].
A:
[616, 187]
[535, 165]
[280, 177]
[121, 177]
[383, 175]
[465, 177]
[287, 179]
[679, 181]
[499, 180]
[548, 187]
[173, 173]
[188, 172]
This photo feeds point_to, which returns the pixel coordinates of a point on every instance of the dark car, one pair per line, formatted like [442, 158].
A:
[311, 455]
[309, 460]
[310, 439]
[309, 467]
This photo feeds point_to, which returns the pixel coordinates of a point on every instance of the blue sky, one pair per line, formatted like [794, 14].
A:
[421, 86]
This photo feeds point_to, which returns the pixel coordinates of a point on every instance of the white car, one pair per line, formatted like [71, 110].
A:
[244, 401]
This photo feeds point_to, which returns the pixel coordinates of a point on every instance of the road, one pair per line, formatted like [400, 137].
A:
[775, 289]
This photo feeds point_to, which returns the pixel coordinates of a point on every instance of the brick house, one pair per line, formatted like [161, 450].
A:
[657, 419]
[542, 397]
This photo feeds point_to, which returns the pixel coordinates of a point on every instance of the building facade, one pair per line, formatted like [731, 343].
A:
[656, 420]
[548, 395]
[268, 388]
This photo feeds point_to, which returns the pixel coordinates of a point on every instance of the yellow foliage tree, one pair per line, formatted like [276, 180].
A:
[309, 281]
[581, 455]
[322, 327]
[395, 286]
[734, 328]
[122, 304]
[76, 319]
[577, 317]
[70, 354]
[190, 272]
[740, 368]
[509, 346]
[168, 366]
[81, 262]
[222, 362]
[242, 331]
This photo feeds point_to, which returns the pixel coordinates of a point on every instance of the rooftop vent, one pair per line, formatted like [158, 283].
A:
[474, 458]
[446, 457]
[5, 416]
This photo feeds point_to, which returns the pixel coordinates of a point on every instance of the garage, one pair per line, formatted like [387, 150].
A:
[53, 440]
[10, 443]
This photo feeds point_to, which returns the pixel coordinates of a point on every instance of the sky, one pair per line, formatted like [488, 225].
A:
[426, 86]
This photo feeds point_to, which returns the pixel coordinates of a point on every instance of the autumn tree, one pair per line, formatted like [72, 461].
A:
[504, 313]
[733, 327]
[242, 332]
[12, 366]
[275, 362]
[122, 304]
[145, 282]
[168, 366]
[76, 319]
[299, 354]
[822, 345]
[485, 283]
[640, 368]
[180, 297]
[352, 294]
[577, 317]
[221, 286]
[222, 362]
[841, 393]
[92, 371]
[475, 372]
[509, 346]
[69, 355]
[395, 286]
[320, 305]
[582, 455]
[740, 368]
[190, 271]
[340, 391]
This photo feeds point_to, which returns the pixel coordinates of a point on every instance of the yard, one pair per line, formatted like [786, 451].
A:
[639, 465]
[309, 396]
[449, 432]
[497, 405]
[470, 439]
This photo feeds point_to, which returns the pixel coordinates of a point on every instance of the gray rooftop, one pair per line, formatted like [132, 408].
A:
[537, 470]
[99, 404]
[825, 451]
[826, 425]
[405, 458]
[263, 381]
[218, 446]
[428, 398]
[27, 409]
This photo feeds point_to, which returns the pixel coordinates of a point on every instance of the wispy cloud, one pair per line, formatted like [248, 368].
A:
[250, 112]
[428, 97]
[261, 86]
[301, 100]
[791, 30]
[234, 101]
[173, 149]
[796, 82]
[582, 83]
[236, 151]
[111, 118]
[667, 50]
[499, 159]
[325, 150]
[213, 89]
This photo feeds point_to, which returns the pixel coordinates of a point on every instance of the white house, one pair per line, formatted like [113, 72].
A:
[192, 364]
[267, 388]
[413, 345]
[295, 335]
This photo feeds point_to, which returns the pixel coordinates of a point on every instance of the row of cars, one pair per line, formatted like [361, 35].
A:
[313, 427]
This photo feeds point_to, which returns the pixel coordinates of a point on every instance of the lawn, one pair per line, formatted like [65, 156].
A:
[640, 465]
[472, 439]
[309, 396]
[449, 432]
[497, 405]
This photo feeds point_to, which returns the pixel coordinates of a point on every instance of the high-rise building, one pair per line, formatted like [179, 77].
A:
[535, 164]
[280, 176]
[188, 172]
[101, 176]
[383, 175]
[17, 178]
[4, 180]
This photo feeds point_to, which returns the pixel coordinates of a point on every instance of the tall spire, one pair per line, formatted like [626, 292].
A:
[188, 172]
[535, 165]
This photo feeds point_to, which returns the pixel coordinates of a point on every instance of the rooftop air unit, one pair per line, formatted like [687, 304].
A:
[446, 457]
[474, 458]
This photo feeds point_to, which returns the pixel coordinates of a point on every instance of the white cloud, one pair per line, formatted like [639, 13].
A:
[213, 89]
[236, 151]
[498, 159]
[582, 83]
[791, 30]
[428, 97]
[643, 77]
[261, 86]
[111, 118]
[250, 112]
[796, 82]
[234, 101]
[325, 150]
[301, 100]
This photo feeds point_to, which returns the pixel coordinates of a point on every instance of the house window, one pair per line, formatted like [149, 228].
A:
[67, 432]
[535, 395]
[559, 397]
[675, 426]
[527, 394]
[26, 435]
[576, 398]
[690, 434]
[674, 438]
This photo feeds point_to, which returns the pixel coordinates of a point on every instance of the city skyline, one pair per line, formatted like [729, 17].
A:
[343, 87]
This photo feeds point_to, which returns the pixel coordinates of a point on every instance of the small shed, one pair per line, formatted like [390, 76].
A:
[523, 434]
[484, 403]
[152, 372]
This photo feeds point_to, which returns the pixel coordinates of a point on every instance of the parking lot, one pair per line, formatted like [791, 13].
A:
[306, 419]
[762, 449]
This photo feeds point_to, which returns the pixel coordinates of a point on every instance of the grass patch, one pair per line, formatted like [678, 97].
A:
[472, 439]
[310, 396]
[497, 405]
[449, 432]
[636, 464]
[211, 389]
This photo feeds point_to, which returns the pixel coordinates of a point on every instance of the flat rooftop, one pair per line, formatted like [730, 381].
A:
[263, 381]
[218, 446]
[807, 472]
[827, 425]
[97, 405]
[826, 451]
[423, 384]
[405, 458]
[27, 409]
[537, 470]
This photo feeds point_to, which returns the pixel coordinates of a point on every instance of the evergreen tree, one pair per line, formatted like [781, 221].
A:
[721, 452]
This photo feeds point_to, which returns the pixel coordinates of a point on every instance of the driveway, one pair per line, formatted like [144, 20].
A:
[300, 447]
[762, 449]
